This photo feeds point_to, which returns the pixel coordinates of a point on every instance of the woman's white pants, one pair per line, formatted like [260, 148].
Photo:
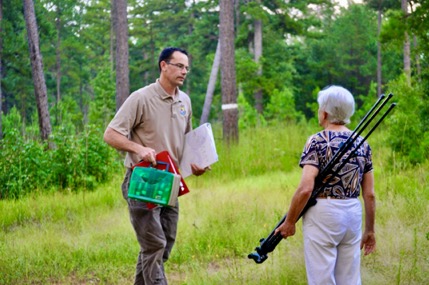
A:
[332, 235]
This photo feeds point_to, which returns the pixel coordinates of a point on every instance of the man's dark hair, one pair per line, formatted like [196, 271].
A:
[166, 54]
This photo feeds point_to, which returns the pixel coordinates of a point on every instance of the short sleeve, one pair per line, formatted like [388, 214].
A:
[309, 154]
[127, 116]
[368, 160]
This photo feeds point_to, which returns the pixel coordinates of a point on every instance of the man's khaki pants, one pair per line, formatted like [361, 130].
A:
[156, 233]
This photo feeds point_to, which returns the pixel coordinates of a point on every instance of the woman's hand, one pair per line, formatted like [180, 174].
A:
[368, 242]
[286, 229]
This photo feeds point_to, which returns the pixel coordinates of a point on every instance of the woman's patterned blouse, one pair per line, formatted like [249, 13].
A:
[318, 151]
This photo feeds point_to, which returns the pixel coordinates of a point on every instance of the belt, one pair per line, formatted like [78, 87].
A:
[335, 197]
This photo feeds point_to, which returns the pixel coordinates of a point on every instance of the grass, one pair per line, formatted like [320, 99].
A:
[86, 238]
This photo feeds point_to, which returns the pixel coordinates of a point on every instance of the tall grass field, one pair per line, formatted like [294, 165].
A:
[85, 237]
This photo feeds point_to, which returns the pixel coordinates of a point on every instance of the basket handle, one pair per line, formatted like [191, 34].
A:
[167, 165]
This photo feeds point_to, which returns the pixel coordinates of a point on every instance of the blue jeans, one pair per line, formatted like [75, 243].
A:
[156, 231]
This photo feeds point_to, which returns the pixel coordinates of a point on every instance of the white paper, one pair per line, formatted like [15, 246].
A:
[199, 149]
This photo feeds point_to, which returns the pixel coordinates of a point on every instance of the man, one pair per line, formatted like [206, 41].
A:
[153, 119]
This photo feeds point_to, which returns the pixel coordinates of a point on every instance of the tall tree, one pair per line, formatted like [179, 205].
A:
[346, 53]
[37, 70]
[122, 69]
[228, 77]
[407, 52]
[380, 6]
[257, 42]
[379, 73]
[211, 86]
[58, 51]
[112, 33]
[17, 85]
[419, 26]
[1, 68]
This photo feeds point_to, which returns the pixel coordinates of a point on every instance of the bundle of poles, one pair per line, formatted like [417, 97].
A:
[268, 244]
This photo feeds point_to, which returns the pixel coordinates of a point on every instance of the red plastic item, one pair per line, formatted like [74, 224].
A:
[165, 157]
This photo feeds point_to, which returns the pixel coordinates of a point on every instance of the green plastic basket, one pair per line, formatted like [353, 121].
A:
[152, 185]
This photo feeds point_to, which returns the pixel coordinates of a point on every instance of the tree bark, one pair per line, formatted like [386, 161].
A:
[257, 40]
[228, 76]
[417, 58]
[112, 33]
[237, 13]
[37, 70]
[58, 61]
[1, 69]
[122, 69]
[379, 66]
[211, 86]
[58, 53]
[407, 60]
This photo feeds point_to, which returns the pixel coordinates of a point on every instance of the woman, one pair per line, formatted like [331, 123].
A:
[332, 228]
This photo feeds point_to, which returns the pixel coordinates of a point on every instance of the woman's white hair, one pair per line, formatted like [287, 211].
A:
[338, 102]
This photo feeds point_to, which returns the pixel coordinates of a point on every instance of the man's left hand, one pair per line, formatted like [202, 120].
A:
[197, 171]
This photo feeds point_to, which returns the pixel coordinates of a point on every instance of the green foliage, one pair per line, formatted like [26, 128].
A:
[67, 115]
[420, 25]
[21, 166]
[246, 73]
[282, 107]
[409, 134]
[305, 46]
[248, 116]
[102, 107]
[275, 65]
[79, 161]
[86, 237]
[66, 221]
[345, 53]
[393, 29]
[364, 102]
[268, 146]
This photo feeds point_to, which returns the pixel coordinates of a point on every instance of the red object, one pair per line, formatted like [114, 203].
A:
[164, 156]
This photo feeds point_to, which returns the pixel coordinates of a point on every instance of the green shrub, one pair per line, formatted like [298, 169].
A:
[409, 131]
[78, 161]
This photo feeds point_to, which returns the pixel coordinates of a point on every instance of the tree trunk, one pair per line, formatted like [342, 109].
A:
[407, 60]
[122, 69]
[37, 70]
[211, 86]
[237, 13]
[228, 77]
[58, 61]
[113, 21]
[379, 66]
[1, 68]
[417, 58]
[257, 40]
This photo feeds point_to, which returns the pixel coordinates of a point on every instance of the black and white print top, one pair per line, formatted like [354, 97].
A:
[319, 150]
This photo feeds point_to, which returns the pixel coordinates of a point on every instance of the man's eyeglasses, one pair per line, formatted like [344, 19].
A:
[180, 66]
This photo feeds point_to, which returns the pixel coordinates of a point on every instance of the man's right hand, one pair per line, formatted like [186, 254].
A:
[147, 154]
[121, 142]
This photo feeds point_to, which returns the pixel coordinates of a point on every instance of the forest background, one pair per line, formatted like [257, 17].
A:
[284, 53]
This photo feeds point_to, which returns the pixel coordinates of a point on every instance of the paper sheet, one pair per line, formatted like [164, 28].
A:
[199, 149]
